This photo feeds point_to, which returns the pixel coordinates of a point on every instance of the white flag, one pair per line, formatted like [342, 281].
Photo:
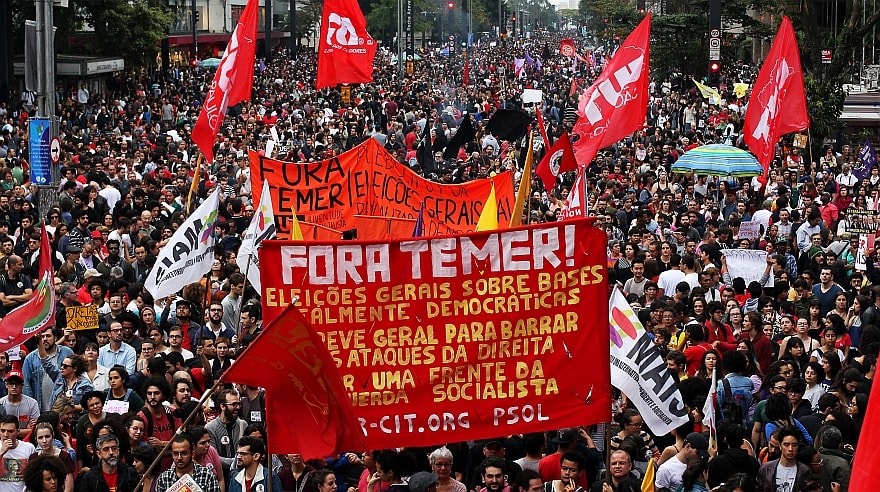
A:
[188, 254]
[709, 407]
[262, 227]
[638, 369]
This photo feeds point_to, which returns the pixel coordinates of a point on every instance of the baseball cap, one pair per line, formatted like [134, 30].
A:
[15, 375]
[565, 436]
[699, 442]
[91, 272]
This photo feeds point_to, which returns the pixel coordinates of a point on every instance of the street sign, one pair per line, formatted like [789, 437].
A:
[39, 133]
[55, 150]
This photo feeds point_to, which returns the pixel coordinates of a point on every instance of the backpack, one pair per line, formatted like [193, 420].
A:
[731, 407]
[149, 418]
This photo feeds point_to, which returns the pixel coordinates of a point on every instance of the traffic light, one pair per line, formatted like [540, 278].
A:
[451, 5]
[714, 73]
[514, 25]
[195, 17]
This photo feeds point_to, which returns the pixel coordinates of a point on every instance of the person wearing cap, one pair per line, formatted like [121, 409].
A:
[71, 270]
[668, 476]
[785, 473]
[17, 404]
[89, 276]
[422, 482]
[15, 287]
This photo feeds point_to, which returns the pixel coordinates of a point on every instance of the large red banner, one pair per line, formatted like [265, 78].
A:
[367, 180]
[458, 337]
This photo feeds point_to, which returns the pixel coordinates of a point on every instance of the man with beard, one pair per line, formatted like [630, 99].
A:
[113, 474]
[493, 473]
[159, 422]
[215, 327]
[114, 259]
[253, 476]
[190, 330]
[227, 429]
[182, 452]
[37, 384]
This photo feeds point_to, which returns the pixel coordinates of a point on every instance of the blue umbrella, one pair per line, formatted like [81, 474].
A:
[718, 160]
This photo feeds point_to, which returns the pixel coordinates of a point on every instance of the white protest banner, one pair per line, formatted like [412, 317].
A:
[748, 264]
[262, 226]
[638, 369]
[750, 230]
[118, 407]
[188, 254]
[532, 96]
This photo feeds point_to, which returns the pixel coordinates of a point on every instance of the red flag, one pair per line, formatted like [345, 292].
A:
[566, 47]
[614, 106]
[232, 82]
[778, 104]
[558, 159]
[29, 318]
[302, 385]
[346, 50]
[868, 452]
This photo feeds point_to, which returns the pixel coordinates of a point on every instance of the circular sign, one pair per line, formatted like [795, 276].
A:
[55, 150]
[567, 50]
[715, 33]
[714, 43]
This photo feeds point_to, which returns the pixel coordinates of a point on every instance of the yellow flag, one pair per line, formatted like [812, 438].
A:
[525, 188]
[296, 234]
[740, 89]
[489, 216]
[709, 93]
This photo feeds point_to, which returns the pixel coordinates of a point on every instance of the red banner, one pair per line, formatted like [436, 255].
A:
[367, 180]
[460, 337]
[345, 50]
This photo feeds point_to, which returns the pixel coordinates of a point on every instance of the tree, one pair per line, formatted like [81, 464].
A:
[121, 28]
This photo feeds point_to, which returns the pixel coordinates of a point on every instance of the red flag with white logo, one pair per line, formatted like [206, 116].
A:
[778, 104]
[346, 50]
[558, 159]
[566, 47]
[615, 105]
[232, 83]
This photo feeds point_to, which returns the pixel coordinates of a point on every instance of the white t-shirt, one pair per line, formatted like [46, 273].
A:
[785, 478]
[669, 474]
[668, 280]
[14, 462]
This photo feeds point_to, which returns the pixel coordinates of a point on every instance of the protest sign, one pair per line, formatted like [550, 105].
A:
[862, 221]
[866, 244]
[185, 483]
[748, 264]
[750, 230]
[367, 180]
[458, 337]
[81, 317]
[638, 369]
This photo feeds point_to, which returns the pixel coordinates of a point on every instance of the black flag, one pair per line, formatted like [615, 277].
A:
[508, 124]
[463, 135]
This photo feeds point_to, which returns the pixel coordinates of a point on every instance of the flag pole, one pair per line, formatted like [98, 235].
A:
[247, 268]
[179, 431]
[195, 183]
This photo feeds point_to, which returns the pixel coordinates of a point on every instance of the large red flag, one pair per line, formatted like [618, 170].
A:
[778, 104]
[232, 82]
[346, 50]
[307, 408]
[558, 159]
[28, 319]
[615, 105]
[566, 47]
[868, 451]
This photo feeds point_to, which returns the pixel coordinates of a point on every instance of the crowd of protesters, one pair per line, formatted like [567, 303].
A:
[91, 409]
